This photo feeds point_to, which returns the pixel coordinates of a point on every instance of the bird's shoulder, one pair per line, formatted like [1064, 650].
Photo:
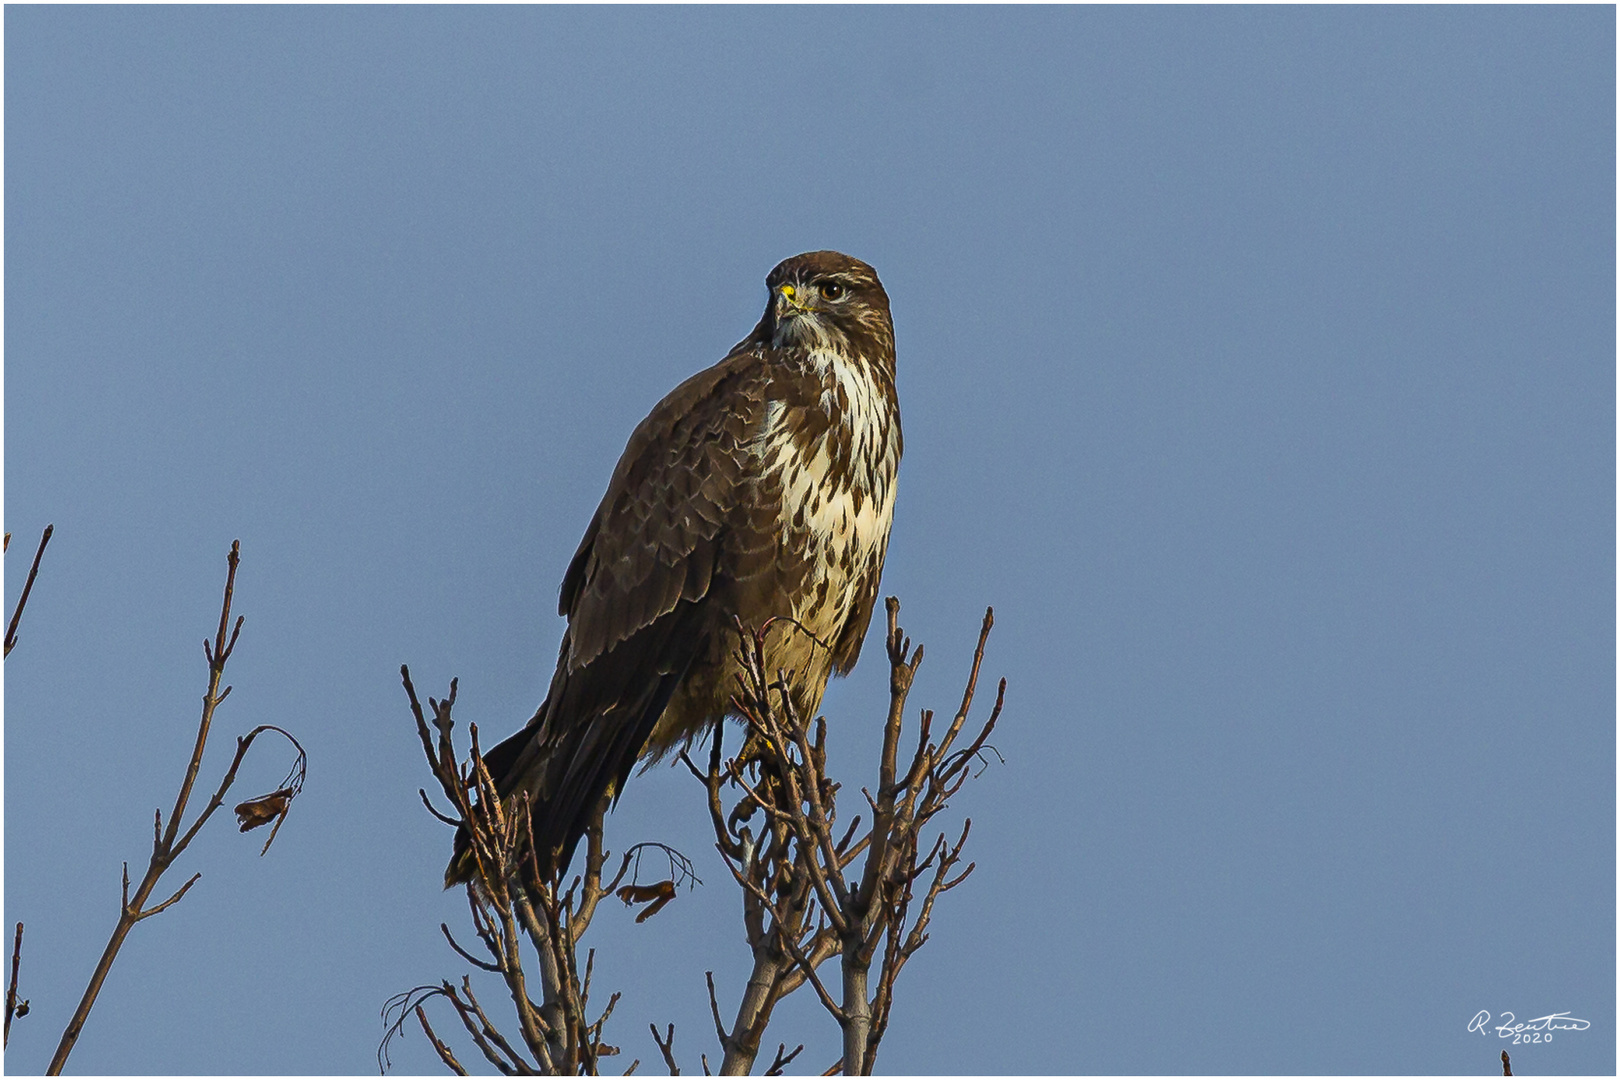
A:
[724, 403]
[657, 533]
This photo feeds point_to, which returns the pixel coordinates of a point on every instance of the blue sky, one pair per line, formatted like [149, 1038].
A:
[1256, 364]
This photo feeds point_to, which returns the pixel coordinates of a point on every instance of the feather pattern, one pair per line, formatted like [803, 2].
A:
[761, 488]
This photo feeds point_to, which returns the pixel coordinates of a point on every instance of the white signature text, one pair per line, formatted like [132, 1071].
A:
[1527, 1031]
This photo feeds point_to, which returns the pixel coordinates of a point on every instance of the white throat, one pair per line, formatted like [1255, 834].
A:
[808, 331]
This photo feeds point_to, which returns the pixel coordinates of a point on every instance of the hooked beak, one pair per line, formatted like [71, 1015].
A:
[788, 303]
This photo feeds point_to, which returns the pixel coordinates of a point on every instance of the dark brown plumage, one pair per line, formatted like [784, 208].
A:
[760, 488]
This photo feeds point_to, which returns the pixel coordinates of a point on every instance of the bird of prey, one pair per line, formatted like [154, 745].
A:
[762, 488]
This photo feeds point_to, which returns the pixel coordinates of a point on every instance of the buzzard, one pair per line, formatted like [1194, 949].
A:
[759, 489]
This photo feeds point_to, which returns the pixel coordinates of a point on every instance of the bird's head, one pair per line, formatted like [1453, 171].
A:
[827, 300]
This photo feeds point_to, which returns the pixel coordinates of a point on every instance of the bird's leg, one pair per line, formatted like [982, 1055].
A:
[756, 748]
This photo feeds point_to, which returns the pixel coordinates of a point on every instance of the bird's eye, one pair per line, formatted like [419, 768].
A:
[832, 290]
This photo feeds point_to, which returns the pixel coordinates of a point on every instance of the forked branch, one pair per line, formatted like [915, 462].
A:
[167, 842]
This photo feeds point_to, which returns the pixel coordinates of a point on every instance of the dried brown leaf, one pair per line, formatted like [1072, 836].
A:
[263, 810]
[655, 896]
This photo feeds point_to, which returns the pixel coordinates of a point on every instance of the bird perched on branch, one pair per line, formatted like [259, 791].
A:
[760, 489]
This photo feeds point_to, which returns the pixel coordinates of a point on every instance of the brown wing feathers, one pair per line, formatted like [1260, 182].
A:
[637, 596]
[602, 718]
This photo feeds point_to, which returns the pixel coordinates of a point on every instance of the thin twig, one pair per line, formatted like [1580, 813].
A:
[444, 1052]
[714, 1010]
[28, 587]
[149, 912]
[13, 1008]
[463, 953]
[783, 1060]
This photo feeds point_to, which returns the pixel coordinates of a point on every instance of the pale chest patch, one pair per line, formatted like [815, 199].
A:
[838, 472]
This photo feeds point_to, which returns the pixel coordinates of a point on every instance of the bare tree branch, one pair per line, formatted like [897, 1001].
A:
[813, 887]
[800, 909]
[509, 900]
[167, 845]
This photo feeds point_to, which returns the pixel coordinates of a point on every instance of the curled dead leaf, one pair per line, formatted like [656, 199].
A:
[263, 810]
[655, 896]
